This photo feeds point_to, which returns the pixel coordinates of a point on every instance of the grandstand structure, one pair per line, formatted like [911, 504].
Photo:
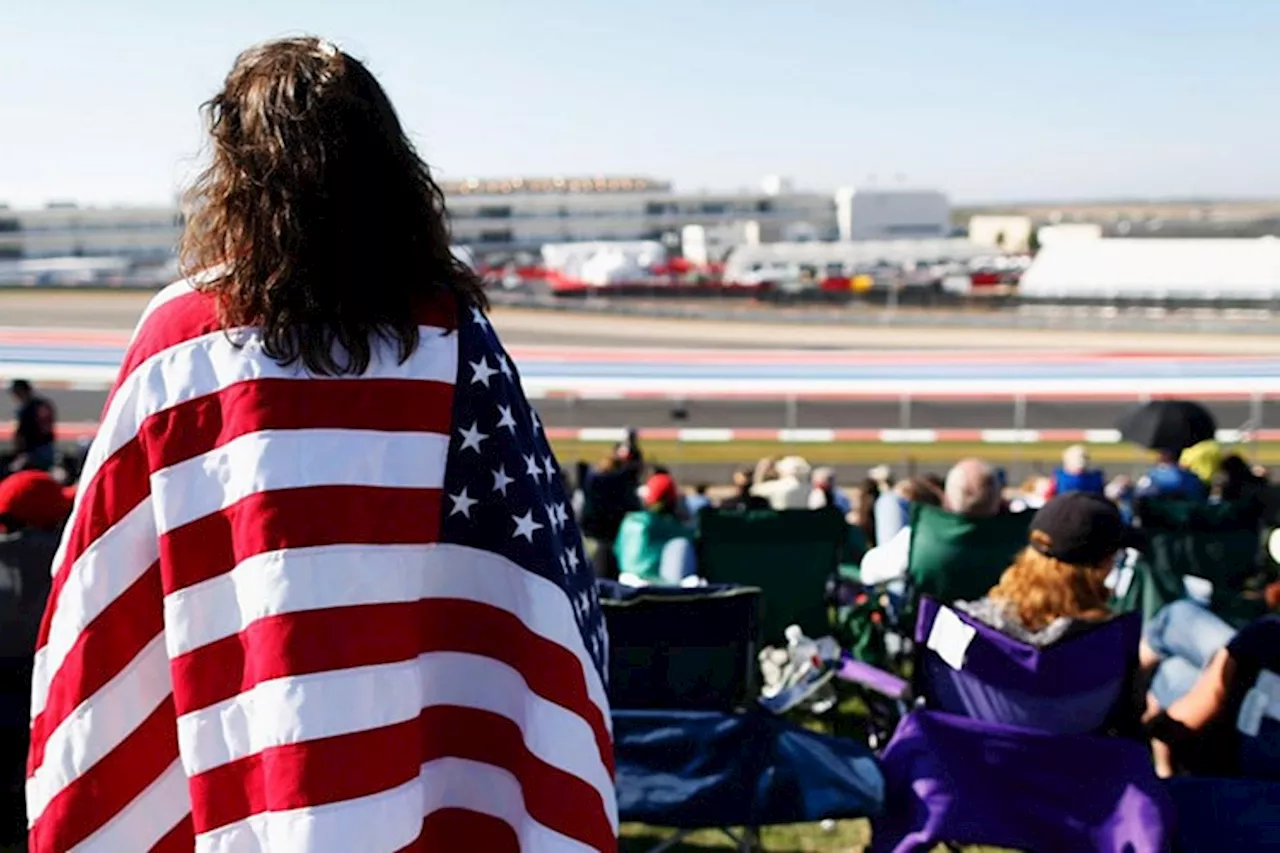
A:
[522, 214]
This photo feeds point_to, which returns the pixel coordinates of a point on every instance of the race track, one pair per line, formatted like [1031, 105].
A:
[596, 373]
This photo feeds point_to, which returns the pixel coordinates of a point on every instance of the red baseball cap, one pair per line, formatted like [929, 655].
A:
[661, 488]
[34, 499]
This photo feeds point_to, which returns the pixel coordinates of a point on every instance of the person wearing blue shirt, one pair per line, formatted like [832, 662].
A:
[1075, 475]
[1167, 479]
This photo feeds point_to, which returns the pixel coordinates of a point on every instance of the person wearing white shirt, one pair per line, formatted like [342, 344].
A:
[971, 489]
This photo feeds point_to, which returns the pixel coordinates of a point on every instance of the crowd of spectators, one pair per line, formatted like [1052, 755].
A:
[640, 527]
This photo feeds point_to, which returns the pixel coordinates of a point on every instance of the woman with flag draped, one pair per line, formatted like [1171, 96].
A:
[320, 590]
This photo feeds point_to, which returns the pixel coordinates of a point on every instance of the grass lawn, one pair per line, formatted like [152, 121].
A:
[873, 453]
[844, 836]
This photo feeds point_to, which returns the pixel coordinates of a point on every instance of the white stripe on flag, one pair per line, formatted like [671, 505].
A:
[145, 820]
[458, 783]
[554, 734]
[98, 725]
[298, 708]
[108, 567]
[455, 571]
[289, 581]
[387, 820]
[285, 459]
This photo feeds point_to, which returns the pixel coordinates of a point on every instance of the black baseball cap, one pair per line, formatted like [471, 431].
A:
[1082, 529]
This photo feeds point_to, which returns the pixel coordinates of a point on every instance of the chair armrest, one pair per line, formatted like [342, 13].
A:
[885, 683]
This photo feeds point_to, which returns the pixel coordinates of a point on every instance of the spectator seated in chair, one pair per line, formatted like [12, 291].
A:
[971, 490]
[1075, 475]
[1214, 727]
[1057, 584]
[654, 546]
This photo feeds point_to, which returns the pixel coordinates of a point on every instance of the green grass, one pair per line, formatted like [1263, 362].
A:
[872, 453]
[845, 835]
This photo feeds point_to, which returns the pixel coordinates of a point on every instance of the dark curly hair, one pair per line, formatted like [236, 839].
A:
[316, 221]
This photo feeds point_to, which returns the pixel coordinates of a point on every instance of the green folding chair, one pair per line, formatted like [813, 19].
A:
[957, 558]
[1220, 543]
[790, 556]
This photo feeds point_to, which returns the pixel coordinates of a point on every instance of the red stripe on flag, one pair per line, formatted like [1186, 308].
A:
[178, 320]
[331, 639]
[300, 643]
[390, 405]
[180, 839]
[550, 670]
[297, 518]
[102, 791]
[311, 773]
[101, 651]
[120, 484]
[331, 770]
[459, 829]
[557, 800]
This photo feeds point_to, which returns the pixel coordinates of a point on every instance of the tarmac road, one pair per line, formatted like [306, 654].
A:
[84, 406]
[119, 310]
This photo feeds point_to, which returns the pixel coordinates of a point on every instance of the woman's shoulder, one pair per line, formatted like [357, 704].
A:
[998, 614]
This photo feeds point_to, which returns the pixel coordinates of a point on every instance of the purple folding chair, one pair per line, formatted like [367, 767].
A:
[1009, 748]
[1079, 685]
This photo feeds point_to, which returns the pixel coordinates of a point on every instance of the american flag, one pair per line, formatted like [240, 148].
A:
[319, 614]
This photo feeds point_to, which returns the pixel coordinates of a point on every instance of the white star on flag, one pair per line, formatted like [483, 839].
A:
[532, 468]
[552, 516]
[462, 504]
[537, 423]
[477, 316]
[549, 467]
[504, 365]
[501, 480]
[562, 514]
[506, 420]
[572, 557]
[472, 437]
[525, 526]
[481, 371]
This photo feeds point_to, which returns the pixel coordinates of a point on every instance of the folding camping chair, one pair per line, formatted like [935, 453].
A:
[957, 558]
[1008, 747]
[1238, 813]
[790, 556]
[951, 558]
[681, 667]
[1216, 543]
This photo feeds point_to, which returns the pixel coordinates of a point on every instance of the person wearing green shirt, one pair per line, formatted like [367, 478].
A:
[642, 543]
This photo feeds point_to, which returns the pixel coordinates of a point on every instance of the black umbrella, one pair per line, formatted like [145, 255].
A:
[1168, 425]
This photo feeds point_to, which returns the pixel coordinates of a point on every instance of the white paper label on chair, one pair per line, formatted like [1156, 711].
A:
[1119, 581]
[1198, 589]
[1262, 700]
[950, 638]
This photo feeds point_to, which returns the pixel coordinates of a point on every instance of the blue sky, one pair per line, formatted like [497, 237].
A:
[986, 99]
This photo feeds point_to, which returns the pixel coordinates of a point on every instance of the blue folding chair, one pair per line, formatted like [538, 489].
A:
[681, 666]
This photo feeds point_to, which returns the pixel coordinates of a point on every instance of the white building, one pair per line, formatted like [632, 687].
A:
[139, 234]
[526, 213]
[505, 215]
[1193, 269]
[873, 214]
[1004, 233]
[850, 257]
